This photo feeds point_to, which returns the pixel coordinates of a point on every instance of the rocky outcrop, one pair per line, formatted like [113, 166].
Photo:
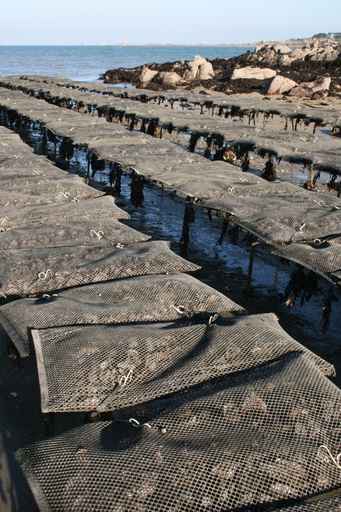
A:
[281, 85]
[146, 76]
[251, 73]
[166, 75]
[168, 79]
[278, 48]
[324, 50]
[317, 88]
[199, 69]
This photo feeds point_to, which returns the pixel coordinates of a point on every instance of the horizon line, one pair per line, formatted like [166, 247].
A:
[124, 45]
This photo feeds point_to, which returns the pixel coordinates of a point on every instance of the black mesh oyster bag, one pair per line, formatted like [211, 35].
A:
[253, 438]
[105, 367]
[159, 298]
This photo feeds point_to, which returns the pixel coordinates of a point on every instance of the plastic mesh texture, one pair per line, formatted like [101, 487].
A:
[37, 271]
[79, 231]
[18, 172]
[36, 185]
[247, 439]
[321, 256]
[18, 162]
[87, 210]
[142, 299]
[59, 191]
[286, 143]
[105, 368]
[276, 212]
[321, 505]
[241, 104]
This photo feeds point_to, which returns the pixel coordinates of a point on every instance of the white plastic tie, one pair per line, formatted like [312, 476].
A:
[124, 380]
[43, 276]
[4, 221]
[136, 424]
[213, 319]
[179, 309]
[98, 234]
[335, 460]
[47, 296]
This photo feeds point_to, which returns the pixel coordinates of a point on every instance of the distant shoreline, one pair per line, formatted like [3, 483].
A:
[244, 45]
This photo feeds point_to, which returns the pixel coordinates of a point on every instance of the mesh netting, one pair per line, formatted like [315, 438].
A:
[143, 299]
[36, 271]
[65, 193]
[278, 212]
[320, 505]
[87, 210]
[105, 368]
[37, 185]
[53, 191]
[270, 136]
[18, 173]
[77, 232]
[237, 105]
[245, 439]
[321, 256]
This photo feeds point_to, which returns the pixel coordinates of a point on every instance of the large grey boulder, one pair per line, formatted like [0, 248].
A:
[253, 73]
[147, 76]
[199, 69]
[281, 85]
[169, 78]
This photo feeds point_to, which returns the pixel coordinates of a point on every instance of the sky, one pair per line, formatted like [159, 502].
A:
[65, 22]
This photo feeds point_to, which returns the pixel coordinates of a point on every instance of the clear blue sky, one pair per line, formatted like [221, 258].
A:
[163, 21]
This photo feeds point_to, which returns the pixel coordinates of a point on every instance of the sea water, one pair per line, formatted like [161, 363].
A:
[89, 62]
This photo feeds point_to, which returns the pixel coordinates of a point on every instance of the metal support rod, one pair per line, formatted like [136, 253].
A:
[251, 263]
[189, 218]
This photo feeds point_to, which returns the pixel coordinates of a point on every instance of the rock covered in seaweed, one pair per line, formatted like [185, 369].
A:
[319, 87]
[252, 71]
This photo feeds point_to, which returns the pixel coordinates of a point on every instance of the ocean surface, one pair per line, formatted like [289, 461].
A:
[87, 63]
